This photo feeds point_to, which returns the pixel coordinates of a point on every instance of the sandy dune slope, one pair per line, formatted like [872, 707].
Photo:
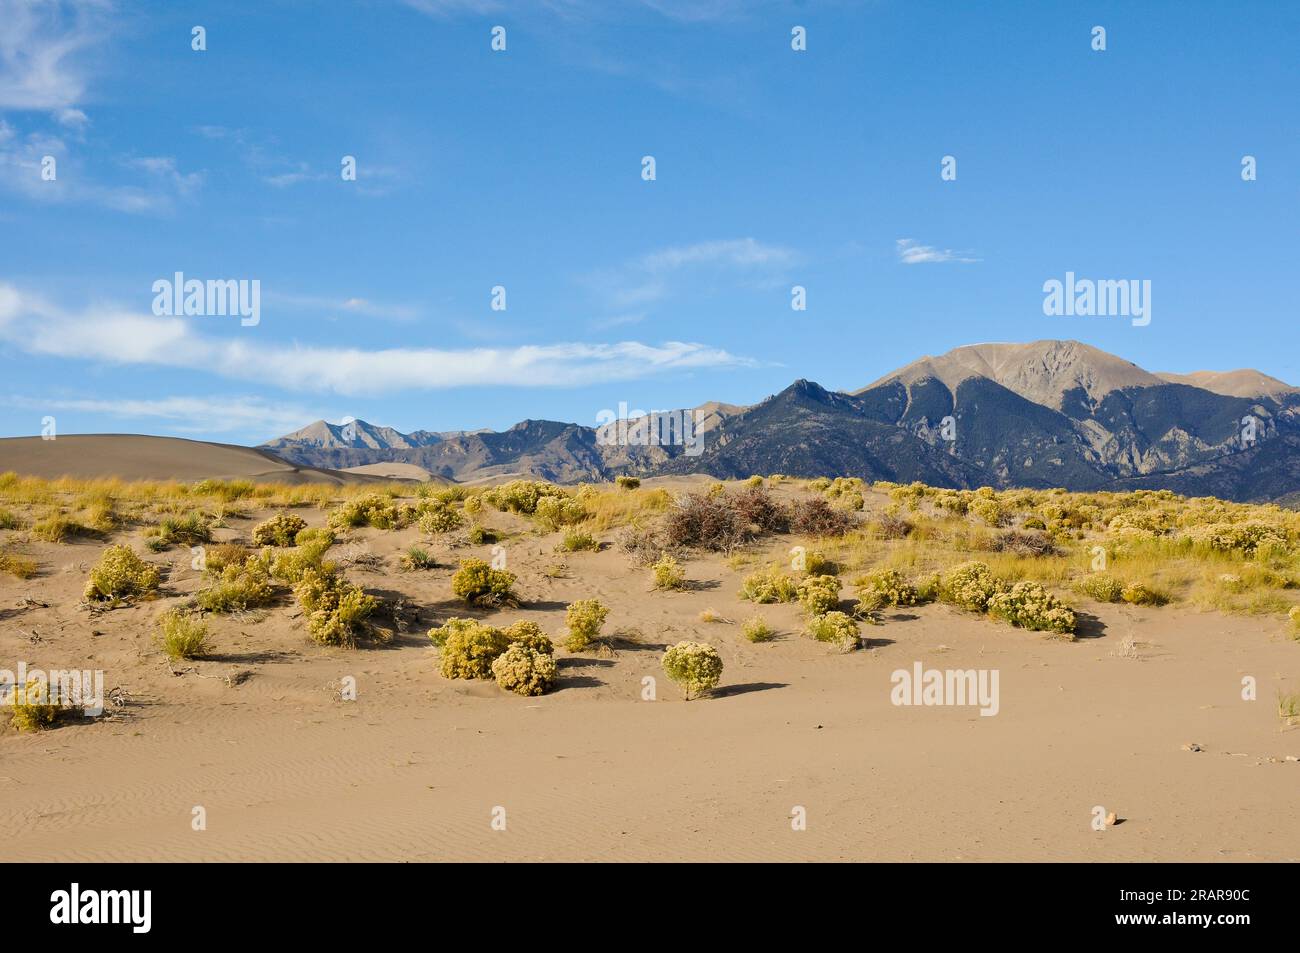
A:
[137, 457]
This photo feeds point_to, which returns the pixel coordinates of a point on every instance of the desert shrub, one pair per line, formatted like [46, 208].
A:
[217, 558]
[237, 587]
[156, 544]
[887, 587]
[530, 635]
[417, 558]
[9, 519]
[473, 505]
[819, 594]
[927, 587]
[756, 629]
[226, 490]
[371, 509]
[554, 512]
[57, 528]
[520, 496]
[439, 634]
[336, 610]
[1293, 614]
[575, 541]
[837, 628]
[768, 586]
[694, 666]
[584, 619]
[989, 511]
[815, 563]
[191, 529]
[892, 526]
[627, 482]
[479, 584]
[437, 517]
[469, 649]
[288, 566]
[1030, 606]
[757, 508]
[754, 481]
[1034, 522]
[120, 574]
[33, 711]
[1102, 586]
[1024, 543]
[669, 574]
[642, 544]
[320, 536]
[704, 521]
[969, 585]
[1246, 537]
[1139, 594]
[280, 530]
[182, 635]
[16, 565]
[524, 671]
[816, 517]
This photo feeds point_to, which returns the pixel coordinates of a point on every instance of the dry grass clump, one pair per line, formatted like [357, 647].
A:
[182, 635]
[190, 530]
[33, 711]
[16, 565]
[417, 558]
[627, 482]
[816, 517]
[10, 520]
[757, 629]
[575, 542]
[768, 586]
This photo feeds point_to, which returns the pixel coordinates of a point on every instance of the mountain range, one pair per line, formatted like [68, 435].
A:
[1043, 414]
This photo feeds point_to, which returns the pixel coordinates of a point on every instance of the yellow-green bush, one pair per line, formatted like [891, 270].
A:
[694, 666]
[280, 530]
[121, 574]
[520, 496]
[1030, 606]
[1140, 594]
[524, 671]
[530, 635]
[372, 509]
[835, 627]
[320, 536]
[438, 517]
[756, 629]
[33, 711]
[668, 573]
[553, 512]
[584, 619]
[479, 584]
[191, 529]
[969, 585]
[16, 565]
[237, 588]
[337, 611]
[888, 587]
[819, 594]
[469, 648]
[181, 635]
[627, 482]
[575, 541]
[769, 585]
[1102, 586]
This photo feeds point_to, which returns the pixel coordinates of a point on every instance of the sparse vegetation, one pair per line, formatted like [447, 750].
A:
[120, 574]
[575, 541]
[182, 635]
[669, 574]
[756, 629]
[479, 584]
[768, 586]
[33, 710]
[584, 619]
[417, 558]
[836, 628]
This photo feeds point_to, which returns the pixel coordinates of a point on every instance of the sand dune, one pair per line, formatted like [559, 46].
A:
[392, 471]
[138, 457]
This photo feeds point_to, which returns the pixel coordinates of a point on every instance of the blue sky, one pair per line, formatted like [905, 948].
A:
[522, 169]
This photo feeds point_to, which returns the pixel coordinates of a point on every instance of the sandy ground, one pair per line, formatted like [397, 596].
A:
[415, 767]
[136, 457]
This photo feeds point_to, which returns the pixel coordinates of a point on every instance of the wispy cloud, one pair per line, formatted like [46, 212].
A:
[333, 307]
[652, 277]
[41, 51]
[110, 336]
[196, 415]
[912, 252]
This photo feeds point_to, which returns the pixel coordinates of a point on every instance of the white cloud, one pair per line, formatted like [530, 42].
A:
[118, 337]
[41, 47]
[912, 252]
[198, 415]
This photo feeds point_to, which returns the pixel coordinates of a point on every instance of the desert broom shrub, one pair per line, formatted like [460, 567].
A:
[584, 619]
[121, 574]
[627, 482]
[190, 530]
[1030, 606]
[575, 541]
[1102, 586]
[469, 649]
[372, 509]
[694, 666]
[320, 536]
[554, 512]
[887, 587]
[15, 565]
[969, 585]
[768, 586]
[530, 635]
[337, 611]
[478, 584]
[1293, 614]
[33, 711]
[280, 530]
[182, 635]
[479, 535]
[437, 517]
[238, 587]
[669, 574]
[524, 671]
[836, 628]
[1140, 594]
[819, 594]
